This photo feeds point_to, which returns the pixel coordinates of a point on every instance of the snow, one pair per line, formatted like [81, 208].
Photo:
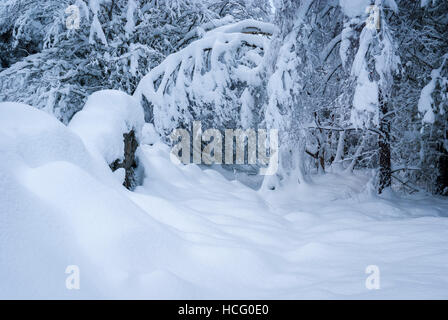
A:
[94, 5]
[354, 8]
[201, 73]
[365, 100]
[424, 3]
[330, 46]
[107, 115]
[130, 22]
[245, 26]
[357, 8]
[97, 30]
[58, 208]
[247, 106]
[191, 233]
[84, 9]
[426, 102]
[392, 5]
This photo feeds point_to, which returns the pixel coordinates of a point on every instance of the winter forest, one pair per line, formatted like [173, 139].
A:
[224, 149]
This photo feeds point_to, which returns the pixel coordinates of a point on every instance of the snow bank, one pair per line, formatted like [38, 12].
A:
[190, 233]
[311, 241]
[35, 138]
[57, 208]
[107, 115]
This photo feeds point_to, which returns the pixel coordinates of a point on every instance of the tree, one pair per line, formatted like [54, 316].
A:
[419, 121]
[118, 42]
[211, 80]
[374, 66]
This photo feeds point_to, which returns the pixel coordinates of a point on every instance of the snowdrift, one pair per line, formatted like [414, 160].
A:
[107, 115]
[60, 206]
[191, 233]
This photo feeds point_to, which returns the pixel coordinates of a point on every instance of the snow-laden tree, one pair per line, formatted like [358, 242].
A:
[212, 80]
[349, 84]
[374, 66]
[434, 107]
[432, 99]
[55, 74]
[306, 89]
[418, 125]
[284, 110]
[118, 42]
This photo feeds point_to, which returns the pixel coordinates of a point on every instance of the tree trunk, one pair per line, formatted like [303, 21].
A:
[385, 175]
[129, 163]
[442, 178]
[357, 155]
[111, 10]
[337, 162]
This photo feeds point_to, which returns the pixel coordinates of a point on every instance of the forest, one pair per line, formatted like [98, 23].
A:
[339, 110]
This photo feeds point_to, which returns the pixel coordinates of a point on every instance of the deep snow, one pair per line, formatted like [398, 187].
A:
[191, 233]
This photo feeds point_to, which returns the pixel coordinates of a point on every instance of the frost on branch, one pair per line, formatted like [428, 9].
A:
[206, 80]
[426, 101]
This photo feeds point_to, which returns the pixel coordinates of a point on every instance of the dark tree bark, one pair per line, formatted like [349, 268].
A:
[385, 174]
[129, 164]
[111, 9]
[442, 178]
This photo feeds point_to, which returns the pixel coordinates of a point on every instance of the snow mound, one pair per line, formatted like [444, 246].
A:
[188, 233]
[311, 241]
[59, 207]
[35, 137]
[107, 115]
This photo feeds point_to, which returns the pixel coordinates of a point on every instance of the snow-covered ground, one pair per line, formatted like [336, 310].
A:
[191, 233]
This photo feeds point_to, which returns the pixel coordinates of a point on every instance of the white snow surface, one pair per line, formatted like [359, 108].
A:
[354, 8]
[191, 233]
[107, 115]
